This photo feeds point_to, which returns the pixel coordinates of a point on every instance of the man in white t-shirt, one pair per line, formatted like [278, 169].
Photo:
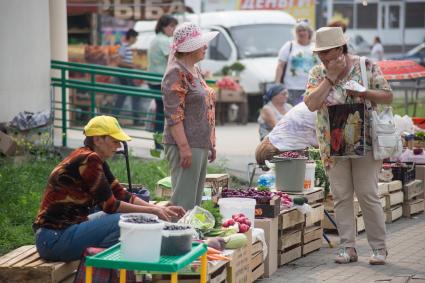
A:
[295, 131]
[377, 53]
[295, 60]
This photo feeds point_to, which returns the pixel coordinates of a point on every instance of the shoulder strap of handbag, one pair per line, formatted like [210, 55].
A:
[365, 80]
[286, 65]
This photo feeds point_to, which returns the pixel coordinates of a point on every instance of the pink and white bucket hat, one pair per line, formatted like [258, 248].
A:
[188, 37]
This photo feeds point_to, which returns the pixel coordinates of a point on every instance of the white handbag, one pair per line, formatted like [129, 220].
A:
[386, 141]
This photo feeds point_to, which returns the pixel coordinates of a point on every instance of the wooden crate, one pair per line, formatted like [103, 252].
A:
[216, 182]
[217, 273]
[393, 214]
[312, 246]
[257, 272]
[290, 218]
[413, 189]
[412, 207]
[312, 233]
[315, 216]
[289, 255]
[328, 227]
[314, 195]
[256, 261]
[289, 239]
[163, 192]
[256, 247]
[382, 189]
[25, 265]
[394, 186]
[393, 198]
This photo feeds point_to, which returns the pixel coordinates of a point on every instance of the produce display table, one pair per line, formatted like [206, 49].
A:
[111, 258]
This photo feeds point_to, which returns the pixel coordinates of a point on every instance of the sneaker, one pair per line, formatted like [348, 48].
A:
[346, 255]
[378, 257]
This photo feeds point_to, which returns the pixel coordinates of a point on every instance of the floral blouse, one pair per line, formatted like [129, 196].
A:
[190, 100]
[317, 74]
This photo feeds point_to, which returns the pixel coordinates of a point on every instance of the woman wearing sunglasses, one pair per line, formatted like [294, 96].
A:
[348, 175]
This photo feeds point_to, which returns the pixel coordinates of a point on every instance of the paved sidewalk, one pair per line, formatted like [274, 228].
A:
[406, 244]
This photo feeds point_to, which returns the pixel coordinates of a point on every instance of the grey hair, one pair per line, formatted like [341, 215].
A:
[303, 26]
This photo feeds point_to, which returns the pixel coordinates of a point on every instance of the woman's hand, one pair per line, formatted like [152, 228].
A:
[212, 154]
[336, 67]
[355, 94]
[178, 210]
[185, 156]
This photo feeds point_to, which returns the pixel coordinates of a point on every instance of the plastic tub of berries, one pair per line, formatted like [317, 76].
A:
[176, 239]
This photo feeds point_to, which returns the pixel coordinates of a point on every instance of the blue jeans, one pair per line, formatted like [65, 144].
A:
[101, 231]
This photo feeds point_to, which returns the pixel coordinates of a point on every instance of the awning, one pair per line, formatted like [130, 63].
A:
[401, 69]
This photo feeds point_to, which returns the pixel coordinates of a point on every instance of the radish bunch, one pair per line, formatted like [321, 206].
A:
[228, 83]
[240, 220]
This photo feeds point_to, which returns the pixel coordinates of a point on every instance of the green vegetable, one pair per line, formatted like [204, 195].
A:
[300, 200]
[235, 241]
[214, 210]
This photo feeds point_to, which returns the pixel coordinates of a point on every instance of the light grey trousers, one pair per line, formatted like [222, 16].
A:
[359, 176]
[187, 183]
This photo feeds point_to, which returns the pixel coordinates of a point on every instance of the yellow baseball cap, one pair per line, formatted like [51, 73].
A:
[105, 126]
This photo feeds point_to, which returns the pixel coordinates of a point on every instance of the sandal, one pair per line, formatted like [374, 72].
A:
[378, 257]
[346, 255]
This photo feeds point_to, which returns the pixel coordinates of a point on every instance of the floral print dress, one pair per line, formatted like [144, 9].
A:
[317, 75]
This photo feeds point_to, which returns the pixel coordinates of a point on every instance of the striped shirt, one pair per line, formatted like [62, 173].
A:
[126, 53]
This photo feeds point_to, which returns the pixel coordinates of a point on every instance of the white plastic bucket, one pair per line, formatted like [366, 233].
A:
[140, 241]
[310, 170]
[230, 206]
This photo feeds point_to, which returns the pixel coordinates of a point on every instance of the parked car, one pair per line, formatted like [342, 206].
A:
[252, 38]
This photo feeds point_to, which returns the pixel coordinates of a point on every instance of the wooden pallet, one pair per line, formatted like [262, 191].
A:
[25, 265]
[393, 214]
[412, 207]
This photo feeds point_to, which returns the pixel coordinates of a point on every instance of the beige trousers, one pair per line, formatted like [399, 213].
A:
[187, 183]
[359, 176]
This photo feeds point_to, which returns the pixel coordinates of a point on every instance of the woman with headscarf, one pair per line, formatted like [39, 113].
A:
[189, 108]
[275, 106]
[347, 175]
[295, 60]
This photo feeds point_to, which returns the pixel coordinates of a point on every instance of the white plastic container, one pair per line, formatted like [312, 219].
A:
[140, 241]
[310, 170]
[230, 206]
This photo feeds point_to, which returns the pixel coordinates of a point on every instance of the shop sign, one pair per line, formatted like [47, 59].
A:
[142, 9]
[304, 9]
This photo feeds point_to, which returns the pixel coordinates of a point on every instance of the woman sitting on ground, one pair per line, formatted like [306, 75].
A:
[275, 106]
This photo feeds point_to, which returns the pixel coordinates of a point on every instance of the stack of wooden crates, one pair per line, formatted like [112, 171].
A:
[301, 234]
[393, 201]
[413, 201]
[256, 263]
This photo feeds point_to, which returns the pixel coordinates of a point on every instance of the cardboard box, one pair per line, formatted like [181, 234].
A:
[7, 144]
[268, 210]
[270, 227]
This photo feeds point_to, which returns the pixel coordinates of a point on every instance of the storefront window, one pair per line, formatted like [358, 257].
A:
[346, 11]
[415, 15]
[367, 16]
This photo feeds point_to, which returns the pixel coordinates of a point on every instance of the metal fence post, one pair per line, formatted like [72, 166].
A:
[64, 121]
[92, 96]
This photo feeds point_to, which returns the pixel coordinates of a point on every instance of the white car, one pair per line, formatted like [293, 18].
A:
[252, 38]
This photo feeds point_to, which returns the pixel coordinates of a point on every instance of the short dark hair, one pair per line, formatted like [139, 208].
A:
[89, 142]
[164, 21]
[131, 33]
[345, 49]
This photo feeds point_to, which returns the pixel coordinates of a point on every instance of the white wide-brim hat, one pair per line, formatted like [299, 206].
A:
[328, 38]
[188, 37]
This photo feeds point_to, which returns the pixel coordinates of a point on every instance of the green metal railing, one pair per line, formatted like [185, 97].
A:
[82, 79]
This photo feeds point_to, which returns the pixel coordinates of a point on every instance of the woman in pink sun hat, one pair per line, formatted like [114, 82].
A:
[189, 109]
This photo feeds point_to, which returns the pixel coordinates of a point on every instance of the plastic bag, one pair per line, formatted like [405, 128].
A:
[304, 209]
[199, 218]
